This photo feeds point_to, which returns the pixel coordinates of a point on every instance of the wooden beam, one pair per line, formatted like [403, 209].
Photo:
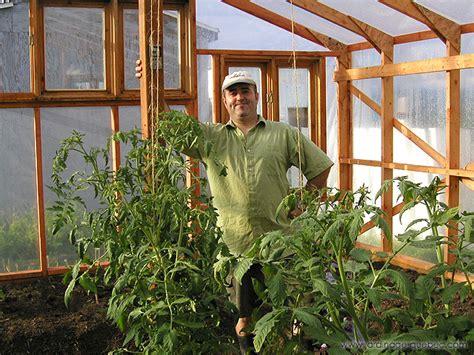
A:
[464, 61]
[409, 167]
[335, 46]
[453, 144]
[387, 145]
[328, 13]
[408, 38]
[150, 24]
[447, 30]
[280, 21]
[265, 53]
[408, 8]
[420, 143]
[444, 28]
[380, 40]
[344, 132]
[42, 245]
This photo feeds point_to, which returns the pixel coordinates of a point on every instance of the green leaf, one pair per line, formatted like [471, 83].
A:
[361, 254]
[402, 316]
[87, 283]
[277, 288]
[242, 267]
[446, 216]
[307, 318]
[189, 324]
[375, 297]
[450, 292]
[264, 326]
[68, 293]
[354, 266]
[402, 282]
[382, 224]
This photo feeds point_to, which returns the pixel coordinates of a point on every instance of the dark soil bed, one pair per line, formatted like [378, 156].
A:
[34, 320]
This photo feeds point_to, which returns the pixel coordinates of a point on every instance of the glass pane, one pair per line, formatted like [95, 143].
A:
[293, 87]
[74, 48]
[131, 47]
[420, 104]
[18, 213]
[366, 58]
[418, 211]
[129, 119]
[256, 74]
[57, 124]
[205, 88]
[172, 49]
[14, 48]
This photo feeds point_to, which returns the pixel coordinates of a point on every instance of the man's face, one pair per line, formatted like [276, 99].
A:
[241, 100]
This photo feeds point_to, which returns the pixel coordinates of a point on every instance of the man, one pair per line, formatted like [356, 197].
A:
[257, 154]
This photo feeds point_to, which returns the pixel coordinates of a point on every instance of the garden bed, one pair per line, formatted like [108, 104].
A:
[34, 319]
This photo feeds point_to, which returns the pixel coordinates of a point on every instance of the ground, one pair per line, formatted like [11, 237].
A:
[34, 320]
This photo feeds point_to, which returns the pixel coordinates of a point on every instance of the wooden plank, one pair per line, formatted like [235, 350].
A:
[69, 103]
[420, 143]
[274, 19]
[464, 61]
[20, 275]
[35, 48]
[191, 25]
[42, 251]
[469, 182]
[265, 53]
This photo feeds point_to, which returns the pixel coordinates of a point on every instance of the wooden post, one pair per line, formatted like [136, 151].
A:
[344, 129]
[150, 24]
[387, 146]
[453, 131]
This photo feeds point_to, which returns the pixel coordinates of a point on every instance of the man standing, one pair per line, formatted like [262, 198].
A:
[257, 154]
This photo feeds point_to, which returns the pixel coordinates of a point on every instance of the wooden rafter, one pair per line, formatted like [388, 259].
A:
[285, 23]
[447, 30]
[380, 40]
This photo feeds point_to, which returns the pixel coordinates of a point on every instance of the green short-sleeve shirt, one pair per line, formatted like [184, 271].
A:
[256, 182]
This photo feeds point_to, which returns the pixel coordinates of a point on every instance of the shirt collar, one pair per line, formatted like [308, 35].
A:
[261, 121]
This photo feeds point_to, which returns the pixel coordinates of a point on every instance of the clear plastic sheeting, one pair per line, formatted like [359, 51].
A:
[221, 26]
[307, 19]
[378, 15]
[420, 104]
[332, 142]
[423, 50]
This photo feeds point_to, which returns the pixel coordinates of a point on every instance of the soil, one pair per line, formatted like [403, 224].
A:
[34, 320]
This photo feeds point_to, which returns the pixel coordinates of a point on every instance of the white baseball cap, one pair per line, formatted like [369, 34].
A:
[237, 77]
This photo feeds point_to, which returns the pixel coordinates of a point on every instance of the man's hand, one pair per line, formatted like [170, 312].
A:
[138, 69]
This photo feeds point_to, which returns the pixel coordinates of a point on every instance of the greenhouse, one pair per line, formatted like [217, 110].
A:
[131, 186]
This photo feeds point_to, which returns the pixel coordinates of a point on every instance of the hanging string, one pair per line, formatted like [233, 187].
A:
[295, 80]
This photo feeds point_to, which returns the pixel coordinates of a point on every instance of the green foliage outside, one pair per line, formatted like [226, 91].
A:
[167, 264]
